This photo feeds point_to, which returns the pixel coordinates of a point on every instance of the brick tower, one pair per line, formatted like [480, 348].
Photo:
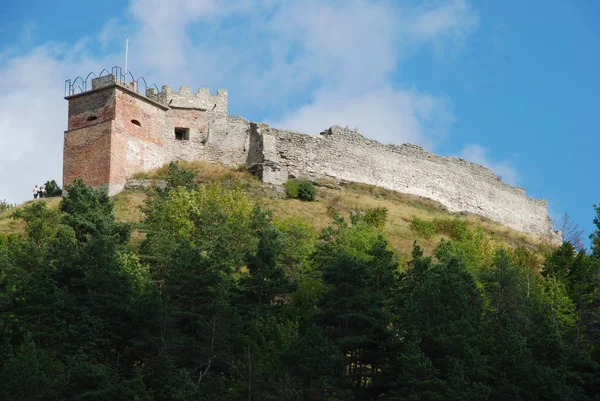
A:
[114, 131]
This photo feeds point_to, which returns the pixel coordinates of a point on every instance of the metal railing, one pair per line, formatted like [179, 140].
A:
[81, 85]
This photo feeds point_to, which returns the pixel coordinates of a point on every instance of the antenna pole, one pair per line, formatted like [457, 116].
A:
[126, 55]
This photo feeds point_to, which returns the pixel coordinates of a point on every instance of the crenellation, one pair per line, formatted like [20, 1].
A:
[101, 82]
[202, 100]
[123, 133]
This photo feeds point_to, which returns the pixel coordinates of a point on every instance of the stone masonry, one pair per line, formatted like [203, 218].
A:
[114, 132]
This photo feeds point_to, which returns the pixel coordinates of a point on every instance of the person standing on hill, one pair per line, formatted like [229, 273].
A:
[36, 191]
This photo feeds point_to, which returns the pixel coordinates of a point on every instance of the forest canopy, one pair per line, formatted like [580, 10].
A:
[214, 299]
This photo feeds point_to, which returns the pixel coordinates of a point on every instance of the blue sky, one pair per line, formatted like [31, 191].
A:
[512, 85]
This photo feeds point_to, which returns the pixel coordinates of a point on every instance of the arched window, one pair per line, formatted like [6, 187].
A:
[136, 122]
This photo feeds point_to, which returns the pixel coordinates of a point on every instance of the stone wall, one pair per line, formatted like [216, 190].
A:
[459, 185]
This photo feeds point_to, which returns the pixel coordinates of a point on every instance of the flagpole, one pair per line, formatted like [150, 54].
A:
[126, 56]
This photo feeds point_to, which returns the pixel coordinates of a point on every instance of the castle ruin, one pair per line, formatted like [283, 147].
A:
[115, 131]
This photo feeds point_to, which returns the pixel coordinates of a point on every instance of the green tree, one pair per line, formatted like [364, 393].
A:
[52, 189]
[353, 313]
[438, 327]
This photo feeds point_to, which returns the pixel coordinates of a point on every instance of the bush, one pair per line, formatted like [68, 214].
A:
[291, 188]
[300, 189]
[179, 177]
[374, 217]
[52, 189]
[306, 191]
[456, 229]
[423, 228]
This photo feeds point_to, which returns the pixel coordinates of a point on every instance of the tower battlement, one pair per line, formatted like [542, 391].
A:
[186, 99]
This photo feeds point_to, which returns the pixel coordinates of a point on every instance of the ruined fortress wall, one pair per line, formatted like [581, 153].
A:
[214, 136]
[192, 149]
[459, 185]
[115, 132]
[228, 141]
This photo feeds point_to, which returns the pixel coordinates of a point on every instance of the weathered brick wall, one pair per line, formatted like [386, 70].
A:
[86, 149]
[86, 154]
[135, 148]
[91, 108]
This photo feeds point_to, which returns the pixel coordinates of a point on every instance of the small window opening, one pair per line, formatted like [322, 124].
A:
[136, 122]
[182, 134]
[92, 118]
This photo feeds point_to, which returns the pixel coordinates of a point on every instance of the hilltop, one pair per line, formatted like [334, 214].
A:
[409, 217]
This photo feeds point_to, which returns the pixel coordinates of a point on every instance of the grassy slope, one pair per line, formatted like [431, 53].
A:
[401, 208]
[10, 226]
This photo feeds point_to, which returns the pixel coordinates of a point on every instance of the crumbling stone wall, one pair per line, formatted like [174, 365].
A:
[459, 185]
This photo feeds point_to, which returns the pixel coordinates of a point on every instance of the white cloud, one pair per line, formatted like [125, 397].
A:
[272, 55]
[387, 115]
[354, 49]
[479, 154]
[33, 116]
[445, 25]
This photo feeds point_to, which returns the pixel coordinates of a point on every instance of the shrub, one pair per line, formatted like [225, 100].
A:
[52, 189]
[374, 217]
[422, 228]
[456, 229]
[300, 189]
[306, 190]
[291, 188]
[179, 177]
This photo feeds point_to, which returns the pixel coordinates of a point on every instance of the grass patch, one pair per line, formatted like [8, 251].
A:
[13, 226]
[205, 172]
[128, 204]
